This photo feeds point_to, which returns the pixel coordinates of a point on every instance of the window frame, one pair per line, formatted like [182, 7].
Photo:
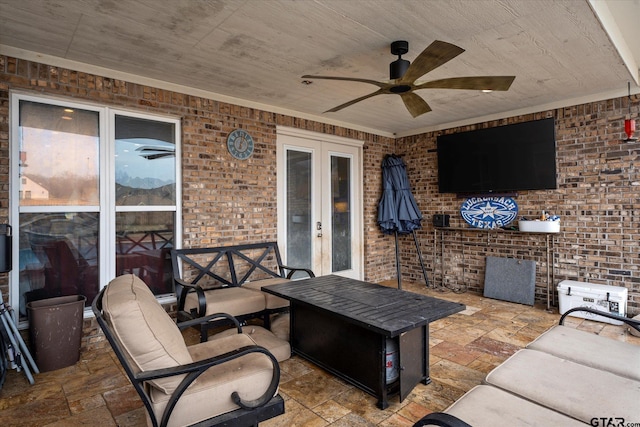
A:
[106, 208]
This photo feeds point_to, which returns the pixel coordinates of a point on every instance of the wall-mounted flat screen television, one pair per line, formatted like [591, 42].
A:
[503, 159]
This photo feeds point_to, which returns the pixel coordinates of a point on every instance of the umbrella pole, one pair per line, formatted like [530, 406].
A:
[398, 263]
[424, 272]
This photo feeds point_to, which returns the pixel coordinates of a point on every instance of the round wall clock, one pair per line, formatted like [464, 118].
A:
[240, 144]
[489, 212]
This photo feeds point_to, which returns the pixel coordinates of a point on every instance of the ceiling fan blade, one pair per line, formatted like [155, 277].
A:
[435, 55]
[473, 83]
[348, 79]
[353, 101]
[415, 104]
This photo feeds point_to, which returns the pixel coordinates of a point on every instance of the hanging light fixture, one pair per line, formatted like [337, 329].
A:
[629, 123]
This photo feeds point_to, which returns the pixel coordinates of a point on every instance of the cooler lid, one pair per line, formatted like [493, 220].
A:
[593, 288]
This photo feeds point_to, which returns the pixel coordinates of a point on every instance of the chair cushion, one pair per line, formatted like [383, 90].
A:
[488, 406]
[273, 301]
[590, 349]
[210, 394]
[232, 300]
[147, 333]
[567, 387]
[262, 337]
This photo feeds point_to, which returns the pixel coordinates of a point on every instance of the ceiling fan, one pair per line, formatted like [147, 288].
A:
[403, 76]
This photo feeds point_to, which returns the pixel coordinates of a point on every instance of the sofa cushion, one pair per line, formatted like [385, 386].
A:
[488, 406]
[232, 300]
[210, 394]
[273, 301]
[570, 388]
[147, 333]
[590, 349]
[264, 338]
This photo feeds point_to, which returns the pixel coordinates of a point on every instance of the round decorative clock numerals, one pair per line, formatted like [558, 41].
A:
[240, 144]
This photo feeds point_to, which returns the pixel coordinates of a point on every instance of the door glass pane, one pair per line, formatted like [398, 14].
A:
[58, 256]
[145, 162]
[58, 156]
[298, 199]
[340, 213]
[143, 244]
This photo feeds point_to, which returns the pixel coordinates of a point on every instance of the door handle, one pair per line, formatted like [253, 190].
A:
[319, 228]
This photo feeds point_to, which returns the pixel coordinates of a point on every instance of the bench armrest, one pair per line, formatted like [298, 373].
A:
[195, 369]
[635, 324]
[440, 419]
[293, 270]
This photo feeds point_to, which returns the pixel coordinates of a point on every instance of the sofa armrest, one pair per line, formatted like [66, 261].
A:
[635, 324]
[440, 419]
[293, 270]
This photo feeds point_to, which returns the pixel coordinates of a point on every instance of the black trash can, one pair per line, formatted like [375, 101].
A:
[55, 331]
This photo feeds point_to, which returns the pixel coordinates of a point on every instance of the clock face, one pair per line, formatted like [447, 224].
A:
[240, 144]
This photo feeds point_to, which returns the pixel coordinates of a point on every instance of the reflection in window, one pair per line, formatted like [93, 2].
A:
[143, 244]
[58, 256]
[58, 156]
[299, 208]
[145, 162]
[341, 213]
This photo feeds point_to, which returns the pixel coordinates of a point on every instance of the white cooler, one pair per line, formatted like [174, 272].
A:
[609, 299]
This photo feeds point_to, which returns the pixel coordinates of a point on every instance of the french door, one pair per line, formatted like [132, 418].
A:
[320, 202]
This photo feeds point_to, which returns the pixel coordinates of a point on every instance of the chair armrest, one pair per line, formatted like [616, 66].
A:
[293, 270]
[206, 319]
[183, 288]
[440, 419]
[195, 369]
[635, 324]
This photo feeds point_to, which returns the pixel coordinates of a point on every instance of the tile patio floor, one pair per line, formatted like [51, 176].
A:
[463, 349]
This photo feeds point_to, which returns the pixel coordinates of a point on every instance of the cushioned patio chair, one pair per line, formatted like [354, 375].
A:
[225, 381]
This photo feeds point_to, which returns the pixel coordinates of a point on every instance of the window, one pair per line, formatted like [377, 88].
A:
[96, 197]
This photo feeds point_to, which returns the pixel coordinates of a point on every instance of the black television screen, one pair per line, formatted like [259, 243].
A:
[498, 160]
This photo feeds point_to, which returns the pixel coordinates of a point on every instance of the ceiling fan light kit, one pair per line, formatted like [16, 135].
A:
[403, 76]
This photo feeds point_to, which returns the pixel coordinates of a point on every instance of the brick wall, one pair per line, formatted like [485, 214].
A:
[598, 199]
[225, 201]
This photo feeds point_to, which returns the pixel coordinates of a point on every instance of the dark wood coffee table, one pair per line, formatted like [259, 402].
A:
[348, 326]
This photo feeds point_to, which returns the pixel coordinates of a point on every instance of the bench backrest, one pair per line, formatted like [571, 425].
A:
[227, 265]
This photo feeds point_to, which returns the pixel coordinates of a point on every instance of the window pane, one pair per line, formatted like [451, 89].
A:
[143, 244]
[341, 213]
[145, 162]
[59, 163]
[299, 209]
[58, 256]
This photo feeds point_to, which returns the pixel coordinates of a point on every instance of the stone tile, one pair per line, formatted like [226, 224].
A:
[122, 400]
[295, 415]
[331, 411]
[314, 388]
[456, 375]
[494, 347]
[455, 353]
[413, 411]
[99, 417]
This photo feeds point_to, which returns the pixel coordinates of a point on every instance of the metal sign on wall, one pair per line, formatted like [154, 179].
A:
[489, 212]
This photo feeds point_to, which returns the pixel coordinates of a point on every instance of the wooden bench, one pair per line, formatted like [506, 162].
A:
[228, 279]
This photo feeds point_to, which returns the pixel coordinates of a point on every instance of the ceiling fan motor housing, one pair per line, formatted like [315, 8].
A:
[400, 66]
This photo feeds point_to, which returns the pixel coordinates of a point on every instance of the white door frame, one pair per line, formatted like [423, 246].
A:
[287, 137]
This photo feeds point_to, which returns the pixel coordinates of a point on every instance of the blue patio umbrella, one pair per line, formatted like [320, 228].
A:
[398, 212]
